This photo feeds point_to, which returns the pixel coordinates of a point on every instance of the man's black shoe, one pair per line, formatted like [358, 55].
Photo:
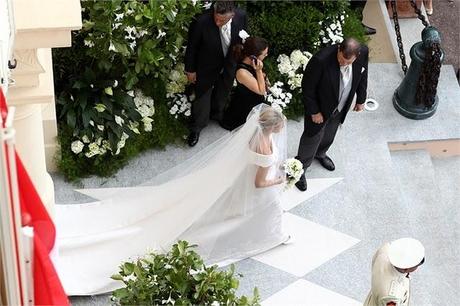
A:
[217, 117]
[192, 139]
[302, 183]
[368, 30]
[326, 162]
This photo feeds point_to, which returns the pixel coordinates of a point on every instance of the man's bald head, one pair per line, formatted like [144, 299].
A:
[350, 48]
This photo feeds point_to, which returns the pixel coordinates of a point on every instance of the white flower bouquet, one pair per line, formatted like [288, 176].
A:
[294, 170]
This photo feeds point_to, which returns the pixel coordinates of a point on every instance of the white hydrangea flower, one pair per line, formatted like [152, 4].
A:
[85, 139]
[119, 120]
[134, 126]
[77, 146]
[93, 150]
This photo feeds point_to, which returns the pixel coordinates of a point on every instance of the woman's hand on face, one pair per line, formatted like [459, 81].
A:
[258, 66]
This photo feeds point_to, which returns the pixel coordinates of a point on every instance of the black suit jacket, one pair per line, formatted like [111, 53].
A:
[204, 54]
[321, 81]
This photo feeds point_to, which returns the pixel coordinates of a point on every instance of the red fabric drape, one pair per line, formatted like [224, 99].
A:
[47, 286]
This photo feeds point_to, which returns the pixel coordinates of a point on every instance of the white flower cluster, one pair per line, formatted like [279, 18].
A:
[294, 170]
[145, 107]
[278, 97]
[293, 66]
[180, 105]
[96, 145]
[177, 80]
[332, 34]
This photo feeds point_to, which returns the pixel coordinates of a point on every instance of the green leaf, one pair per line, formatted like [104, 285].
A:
[117, 277]
[79, 85]
[109, 91]
[121, 48]
[128, 268]
[71, 119]
[86, 116]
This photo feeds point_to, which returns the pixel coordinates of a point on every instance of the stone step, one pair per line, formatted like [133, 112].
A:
[429, 214]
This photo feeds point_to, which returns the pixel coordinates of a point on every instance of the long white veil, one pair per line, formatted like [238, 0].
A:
[208, 200]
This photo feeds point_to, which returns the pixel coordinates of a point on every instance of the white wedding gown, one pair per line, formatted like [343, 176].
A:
[212, 203]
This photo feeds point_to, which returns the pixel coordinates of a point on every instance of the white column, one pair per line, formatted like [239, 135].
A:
[31, 148]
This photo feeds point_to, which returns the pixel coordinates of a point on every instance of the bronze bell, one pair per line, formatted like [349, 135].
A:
[416, 97]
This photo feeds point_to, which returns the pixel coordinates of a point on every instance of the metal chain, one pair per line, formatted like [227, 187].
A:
[420, 16]
[402, 56]
[419, 13]
[429, 76]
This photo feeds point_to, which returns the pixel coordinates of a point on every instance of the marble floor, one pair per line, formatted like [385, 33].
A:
[374, 196]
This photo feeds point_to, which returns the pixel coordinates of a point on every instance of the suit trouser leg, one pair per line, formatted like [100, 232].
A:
[308, 146]
[318, 144]
[222, 89]
[330, 130]
[220, 97]
[201, 109]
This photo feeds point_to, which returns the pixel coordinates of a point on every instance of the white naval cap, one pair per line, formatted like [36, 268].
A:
[406, 253]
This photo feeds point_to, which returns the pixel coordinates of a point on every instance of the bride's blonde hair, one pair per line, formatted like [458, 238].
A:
[270, 117]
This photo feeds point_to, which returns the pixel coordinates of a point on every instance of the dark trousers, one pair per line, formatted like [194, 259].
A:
[318, 144]
[354, 4]
[210, 105]
[358, 5]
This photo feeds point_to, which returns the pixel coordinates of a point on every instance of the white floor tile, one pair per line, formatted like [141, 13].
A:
[303, 292]
[293, 197]
[313, 245]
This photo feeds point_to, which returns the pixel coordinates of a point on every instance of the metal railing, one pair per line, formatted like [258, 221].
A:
[16, 245]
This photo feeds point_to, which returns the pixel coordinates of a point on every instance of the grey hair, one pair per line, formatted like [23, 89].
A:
[350, 47]
[223, 7]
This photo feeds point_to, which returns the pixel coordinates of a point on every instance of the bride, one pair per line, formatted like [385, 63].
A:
[226, 200]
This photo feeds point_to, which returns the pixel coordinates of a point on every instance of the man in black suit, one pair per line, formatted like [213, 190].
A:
[209, 63]
[331, 79]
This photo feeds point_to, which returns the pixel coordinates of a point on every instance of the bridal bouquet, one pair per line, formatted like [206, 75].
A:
[294, 170]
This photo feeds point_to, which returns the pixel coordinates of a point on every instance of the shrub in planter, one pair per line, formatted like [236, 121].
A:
[110, 85]
[178, 277]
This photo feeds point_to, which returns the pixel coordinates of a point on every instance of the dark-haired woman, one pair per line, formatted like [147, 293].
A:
[250, 78]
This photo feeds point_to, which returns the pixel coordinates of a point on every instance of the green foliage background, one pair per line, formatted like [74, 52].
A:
[287, 25]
